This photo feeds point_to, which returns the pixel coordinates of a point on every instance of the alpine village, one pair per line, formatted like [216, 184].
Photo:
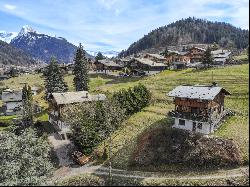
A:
[171, 109]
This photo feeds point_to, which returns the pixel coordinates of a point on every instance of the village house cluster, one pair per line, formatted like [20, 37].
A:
[147, 63]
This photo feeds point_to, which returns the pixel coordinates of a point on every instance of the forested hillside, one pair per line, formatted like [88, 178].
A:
[191, 31]
[10, 55]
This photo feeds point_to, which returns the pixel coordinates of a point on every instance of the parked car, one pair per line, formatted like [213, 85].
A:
[121, 74]
[80, 158]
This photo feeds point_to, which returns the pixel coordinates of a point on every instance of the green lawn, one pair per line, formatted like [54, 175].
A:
[240, 57]
[234, 79]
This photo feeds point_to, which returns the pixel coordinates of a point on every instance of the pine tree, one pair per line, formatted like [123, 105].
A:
[207, 58]
[54, 81]
[99, 56]
[81, 79]
[27, 118]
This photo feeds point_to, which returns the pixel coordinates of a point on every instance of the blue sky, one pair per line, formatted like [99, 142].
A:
[103, 25]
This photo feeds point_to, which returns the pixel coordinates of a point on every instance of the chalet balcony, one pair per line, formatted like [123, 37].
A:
[190, 116]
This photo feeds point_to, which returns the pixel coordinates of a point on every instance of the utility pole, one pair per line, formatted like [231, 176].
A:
[212, 76]
[110, 165]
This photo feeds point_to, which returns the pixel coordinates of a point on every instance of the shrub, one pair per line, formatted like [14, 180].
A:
[82, 180]
[134, 99]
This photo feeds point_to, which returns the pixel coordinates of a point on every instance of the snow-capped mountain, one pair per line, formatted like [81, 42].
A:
[25, 30]
[42, 47]
[108, 54]
[7, 36]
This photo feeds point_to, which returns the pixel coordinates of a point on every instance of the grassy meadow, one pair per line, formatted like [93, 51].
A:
[233, 78]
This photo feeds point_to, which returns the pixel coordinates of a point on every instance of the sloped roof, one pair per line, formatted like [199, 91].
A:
[220, 51]
[9, 95]
[76, 97]
[156, 56]
[149, 62]
[202, 49]
[197, 92]
[179, 52]
[109, 63]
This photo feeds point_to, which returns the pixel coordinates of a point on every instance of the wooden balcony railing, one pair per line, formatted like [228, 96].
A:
[191, 116]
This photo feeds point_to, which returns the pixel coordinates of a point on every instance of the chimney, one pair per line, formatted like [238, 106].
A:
[214, 84]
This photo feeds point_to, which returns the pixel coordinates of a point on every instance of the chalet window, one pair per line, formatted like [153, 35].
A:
[182, 122]
[199, 126]
[194, 110]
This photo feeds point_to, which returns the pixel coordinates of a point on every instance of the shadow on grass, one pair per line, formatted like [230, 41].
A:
[123, 155]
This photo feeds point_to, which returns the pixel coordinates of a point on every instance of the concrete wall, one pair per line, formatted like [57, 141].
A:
[189, 126]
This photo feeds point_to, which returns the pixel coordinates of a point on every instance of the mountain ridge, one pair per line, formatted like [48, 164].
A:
[190, 30]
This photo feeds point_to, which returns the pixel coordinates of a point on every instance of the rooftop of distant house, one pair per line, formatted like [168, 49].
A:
[76, 97]
[160, 57]
[149, 62]
[109, 63]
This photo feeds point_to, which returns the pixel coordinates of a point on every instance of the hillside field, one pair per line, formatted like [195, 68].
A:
[233, 78]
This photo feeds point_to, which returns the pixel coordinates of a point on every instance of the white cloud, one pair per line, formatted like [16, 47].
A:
[9, 7]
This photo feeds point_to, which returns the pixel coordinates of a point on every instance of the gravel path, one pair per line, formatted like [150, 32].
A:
[100, 170]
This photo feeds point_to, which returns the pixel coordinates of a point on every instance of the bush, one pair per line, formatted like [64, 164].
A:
[134, 99]
[82, 180]
[167, 146]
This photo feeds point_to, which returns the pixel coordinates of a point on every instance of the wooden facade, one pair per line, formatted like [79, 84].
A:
[198, 105]
[196, 54]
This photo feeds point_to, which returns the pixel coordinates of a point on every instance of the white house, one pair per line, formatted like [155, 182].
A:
[12, 100]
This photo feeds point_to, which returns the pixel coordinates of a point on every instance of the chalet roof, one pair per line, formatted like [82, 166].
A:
[9, 95]
[197, 92]
[220, 51]
[156, 56]
[109, 63]
[178, 53]
[202, 49]
[149, 62]
[220, 59]
[126, 59]
[76, 97]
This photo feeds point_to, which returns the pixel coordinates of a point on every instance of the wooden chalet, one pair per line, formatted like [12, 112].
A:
[220, 56]
[106, 65]
[155, 57]
[147, 65]
[196, 54]
[58, 101]
[198, 108]
[176, 56]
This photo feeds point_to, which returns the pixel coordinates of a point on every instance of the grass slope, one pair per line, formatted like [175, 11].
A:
[234, 79]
